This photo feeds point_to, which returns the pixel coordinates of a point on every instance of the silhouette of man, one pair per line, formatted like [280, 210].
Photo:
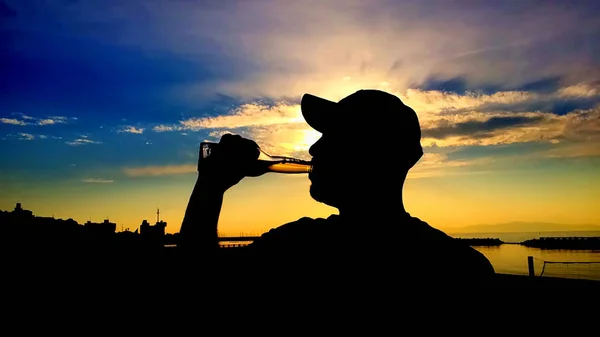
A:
[370, 140]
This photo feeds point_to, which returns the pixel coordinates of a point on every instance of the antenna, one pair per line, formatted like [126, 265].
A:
[157, 214]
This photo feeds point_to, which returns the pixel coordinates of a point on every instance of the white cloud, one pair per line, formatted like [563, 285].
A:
[12, 121]
[132, 129]
[28, 120]
[578, 126]
[26, 136]
[580, 90]
[430, 102]
[165, 128]
[82, 141]
[97, 181]
[61, 119]
[447, 119]
[46, 121]
[253, 114]
[218, 134]
[246, 115]
[159, 170]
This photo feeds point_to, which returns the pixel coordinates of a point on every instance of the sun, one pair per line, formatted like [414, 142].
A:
[296, 141]
[307, 138]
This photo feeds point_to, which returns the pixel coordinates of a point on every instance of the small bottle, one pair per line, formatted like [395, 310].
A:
[265, 162]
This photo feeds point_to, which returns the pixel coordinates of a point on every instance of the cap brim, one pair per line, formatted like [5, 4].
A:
[317, 111]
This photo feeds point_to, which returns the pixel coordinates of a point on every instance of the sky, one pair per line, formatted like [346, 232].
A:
[103, 104]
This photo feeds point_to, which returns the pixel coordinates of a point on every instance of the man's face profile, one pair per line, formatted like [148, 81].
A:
[334, 174]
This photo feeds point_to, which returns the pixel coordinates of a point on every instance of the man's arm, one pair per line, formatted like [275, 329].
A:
[199, 227]
[225, 167]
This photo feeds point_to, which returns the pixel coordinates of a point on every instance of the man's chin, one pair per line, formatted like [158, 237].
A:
[321, 196]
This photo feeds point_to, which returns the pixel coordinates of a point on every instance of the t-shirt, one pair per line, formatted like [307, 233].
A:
[404, 250]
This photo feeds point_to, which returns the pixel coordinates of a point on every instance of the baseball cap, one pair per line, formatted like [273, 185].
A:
[370, 111]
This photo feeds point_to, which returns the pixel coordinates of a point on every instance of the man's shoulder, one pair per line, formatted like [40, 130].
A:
[456, 254]
[418, 230]
[303, 229]
[303, 224]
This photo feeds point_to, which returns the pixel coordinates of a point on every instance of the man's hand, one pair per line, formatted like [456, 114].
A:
[233, 159]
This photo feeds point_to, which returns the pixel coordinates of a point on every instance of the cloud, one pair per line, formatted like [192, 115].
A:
[82, 141]
[97, 181]
[448, 119]
[28, 120]
[165, 128]
[478, 129]
[246, 115]
[576, 126]
[251, 51]
[26, 136]
[132, 129]
[159, 170]
[12, 121]
[433, 163]
[48, 121]
[383, 44]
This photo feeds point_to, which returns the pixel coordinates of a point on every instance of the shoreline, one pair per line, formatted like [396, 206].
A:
[559, 243]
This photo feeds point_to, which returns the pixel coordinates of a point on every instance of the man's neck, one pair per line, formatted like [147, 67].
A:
[371, 209]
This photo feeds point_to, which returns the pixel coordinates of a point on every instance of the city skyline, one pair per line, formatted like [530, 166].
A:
[103, 107]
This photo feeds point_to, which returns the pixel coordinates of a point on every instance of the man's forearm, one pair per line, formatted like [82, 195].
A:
[199, 226]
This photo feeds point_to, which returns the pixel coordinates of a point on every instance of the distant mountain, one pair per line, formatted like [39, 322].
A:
[524, 227]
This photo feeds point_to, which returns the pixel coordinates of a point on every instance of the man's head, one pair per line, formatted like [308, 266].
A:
[370, 140]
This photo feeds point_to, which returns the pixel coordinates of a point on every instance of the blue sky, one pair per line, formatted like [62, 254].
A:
[120, 93]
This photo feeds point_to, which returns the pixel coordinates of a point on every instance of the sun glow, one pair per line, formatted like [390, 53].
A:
[309, 137]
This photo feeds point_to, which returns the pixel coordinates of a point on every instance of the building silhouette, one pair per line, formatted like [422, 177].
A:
[153, 232]
[19, 211]
[156, 230]
[100, 229]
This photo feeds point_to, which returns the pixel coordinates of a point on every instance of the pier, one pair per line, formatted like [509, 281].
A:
[590, 243]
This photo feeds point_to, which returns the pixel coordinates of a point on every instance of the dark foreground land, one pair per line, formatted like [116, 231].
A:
[52, 253]
[154, 267]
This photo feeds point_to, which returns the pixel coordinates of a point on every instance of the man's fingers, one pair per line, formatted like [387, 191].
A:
[251, 150]
[229, 138]
[238, 147]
